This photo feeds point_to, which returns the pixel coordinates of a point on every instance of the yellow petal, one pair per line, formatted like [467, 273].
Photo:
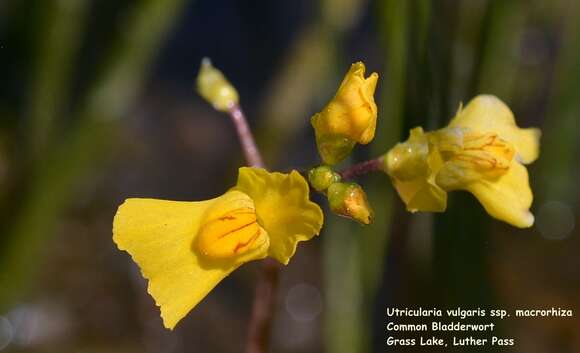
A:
[333, 148]
[161, 238]
[355, 100]
[283, 208]
[230, 230]
[410, 159]
[508, 198]
[487, 113]
[481, 156]
[421, 195]
[412, 166]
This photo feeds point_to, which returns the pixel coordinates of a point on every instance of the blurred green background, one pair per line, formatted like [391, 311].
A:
[97, 105]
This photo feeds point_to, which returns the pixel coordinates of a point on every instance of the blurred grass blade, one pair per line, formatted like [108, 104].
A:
[55, 55]
[345, 329]
[501, 44]
[306, 71]
[85, 148]
[559, 145]
[114, 92]
[466, 49]
[395, 36]
[394, 17]
[290, 95]
[354, 256]
[462, 231]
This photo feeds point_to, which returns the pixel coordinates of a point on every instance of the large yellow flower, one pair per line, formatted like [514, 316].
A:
[482, 150]
[349, 118]
[185, 249]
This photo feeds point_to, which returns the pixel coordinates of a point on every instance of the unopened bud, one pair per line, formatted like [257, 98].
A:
[322, 177]
[215, 88]
[349, 200]
[349, 118]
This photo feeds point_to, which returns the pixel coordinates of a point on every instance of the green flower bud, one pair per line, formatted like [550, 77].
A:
[322, 177]
[349, 200]
[215, 88]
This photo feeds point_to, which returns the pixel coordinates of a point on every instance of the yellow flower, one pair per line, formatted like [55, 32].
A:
[185, 249]
[482, 150]
[349, 118]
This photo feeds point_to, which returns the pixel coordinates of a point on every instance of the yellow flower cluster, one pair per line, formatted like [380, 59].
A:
[349, 118]
[482, 151]
[185, 249]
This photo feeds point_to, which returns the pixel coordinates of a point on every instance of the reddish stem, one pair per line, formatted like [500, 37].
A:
[260, 325]
[249, 147]
[263, 308]
[362, 168]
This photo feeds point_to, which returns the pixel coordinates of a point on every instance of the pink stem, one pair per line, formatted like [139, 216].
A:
[362, 168]
[253, 156]
[260, 325]
[263, 308]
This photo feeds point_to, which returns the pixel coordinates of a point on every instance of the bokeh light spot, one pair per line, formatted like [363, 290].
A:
[303, 302]
[6, 332]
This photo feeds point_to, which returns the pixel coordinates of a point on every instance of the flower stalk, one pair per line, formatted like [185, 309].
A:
[214, 87]
[251, 152]
[260, 325]
[372, 165]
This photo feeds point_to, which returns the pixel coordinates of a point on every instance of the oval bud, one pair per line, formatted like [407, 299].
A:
[349, 200]
[215, 88]
[322, 177]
